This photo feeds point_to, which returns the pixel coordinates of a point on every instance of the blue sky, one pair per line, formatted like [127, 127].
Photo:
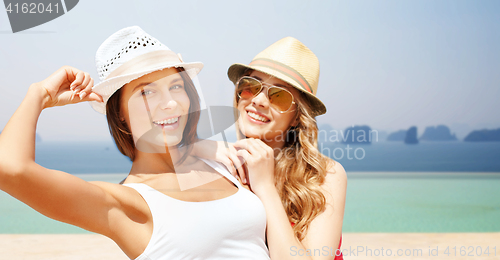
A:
[387, 64]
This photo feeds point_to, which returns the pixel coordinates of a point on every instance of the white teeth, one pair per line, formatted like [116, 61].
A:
[257, 117]
[167, 122]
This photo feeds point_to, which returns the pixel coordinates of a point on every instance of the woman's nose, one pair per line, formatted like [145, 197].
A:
[167, 102]
[261, 99]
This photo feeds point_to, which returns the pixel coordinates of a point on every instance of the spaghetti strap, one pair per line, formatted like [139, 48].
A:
[222, 170]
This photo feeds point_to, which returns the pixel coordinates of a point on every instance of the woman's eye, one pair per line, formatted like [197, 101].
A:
[175, 87]
[146, 92]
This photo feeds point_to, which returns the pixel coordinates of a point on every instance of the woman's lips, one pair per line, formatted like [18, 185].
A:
[256, 121]
[169, 127]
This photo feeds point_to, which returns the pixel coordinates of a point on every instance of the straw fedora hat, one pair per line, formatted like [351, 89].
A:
[291, 61]
[129, 54]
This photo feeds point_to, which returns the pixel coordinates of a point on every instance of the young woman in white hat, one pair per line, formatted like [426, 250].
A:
[302, 190]
[172, 205]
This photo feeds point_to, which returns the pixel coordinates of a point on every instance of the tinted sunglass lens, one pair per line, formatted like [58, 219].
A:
[280, 99]
[248, 87]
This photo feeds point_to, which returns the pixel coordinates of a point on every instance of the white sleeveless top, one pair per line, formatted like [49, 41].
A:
[229, 228]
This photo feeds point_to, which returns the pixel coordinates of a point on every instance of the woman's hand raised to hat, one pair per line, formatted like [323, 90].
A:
[67, 85]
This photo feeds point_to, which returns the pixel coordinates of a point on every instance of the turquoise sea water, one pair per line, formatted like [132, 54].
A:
[376, 202]
[422, 202]
[433, 187]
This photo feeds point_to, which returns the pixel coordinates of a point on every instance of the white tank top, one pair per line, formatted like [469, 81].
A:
[229, 228]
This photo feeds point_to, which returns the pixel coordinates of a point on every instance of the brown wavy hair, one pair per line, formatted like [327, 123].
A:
[122, 135]
[300, 169]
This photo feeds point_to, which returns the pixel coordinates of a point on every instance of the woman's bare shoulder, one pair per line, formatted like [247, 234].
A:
[336, 176]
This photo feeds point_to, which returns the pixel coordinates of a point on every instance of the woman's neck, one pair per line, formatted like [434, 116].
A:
[156, 162]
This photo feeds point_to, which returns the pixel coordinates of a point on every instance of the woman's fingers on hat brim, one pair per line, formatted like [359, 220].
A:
[93, 97]
[76, 84]
[87, 85]
[86, 80]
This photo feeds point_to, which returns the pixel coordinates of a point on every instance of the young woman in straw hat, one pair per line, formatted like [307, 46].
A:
[172, 205]
[302, 190]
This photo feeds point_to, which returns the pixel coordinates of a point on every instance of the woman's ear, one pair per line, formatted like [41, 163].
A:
[122, 118]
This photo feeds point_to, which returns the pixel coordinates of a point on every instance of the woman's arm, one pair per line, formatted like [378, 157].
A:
[56, 194]
[324, 231]
[326, 228]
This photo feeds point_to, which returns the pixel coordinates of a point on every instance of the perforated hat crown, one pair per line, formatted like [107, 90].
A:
[291, 61]
[129, 54]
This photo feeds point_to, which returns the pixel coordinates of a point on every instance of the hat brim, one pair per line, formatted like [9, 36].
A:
[108, 87]
[236, 70]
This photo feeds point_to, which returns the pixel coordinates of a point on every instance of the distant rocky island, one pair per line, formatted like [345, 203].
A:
[397, 136]
[484, 135]
[357, 135]
[438, 133]
[365, 135]
[408, 136]
[411, 136]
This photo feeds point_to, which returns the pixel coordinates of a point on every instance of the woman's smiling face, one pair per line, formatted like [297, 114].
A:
[156, 108]
[259, 120]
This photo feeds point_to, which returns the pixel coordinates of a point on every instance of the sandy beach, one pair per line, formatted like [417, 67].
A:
[355, 246]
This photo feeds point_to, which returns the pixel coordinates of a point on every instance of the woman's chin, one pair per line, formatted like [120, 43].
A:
[251, 131]
[265, 136]
[172, 141]
[254, 134]
[157, 144]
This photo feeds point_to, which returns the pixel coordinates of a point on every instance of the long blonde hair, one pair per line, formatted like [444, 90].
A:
[300, 169]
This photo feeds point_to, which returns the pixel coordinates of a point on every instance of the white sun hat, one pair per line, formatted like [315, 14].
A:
[129, 54]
